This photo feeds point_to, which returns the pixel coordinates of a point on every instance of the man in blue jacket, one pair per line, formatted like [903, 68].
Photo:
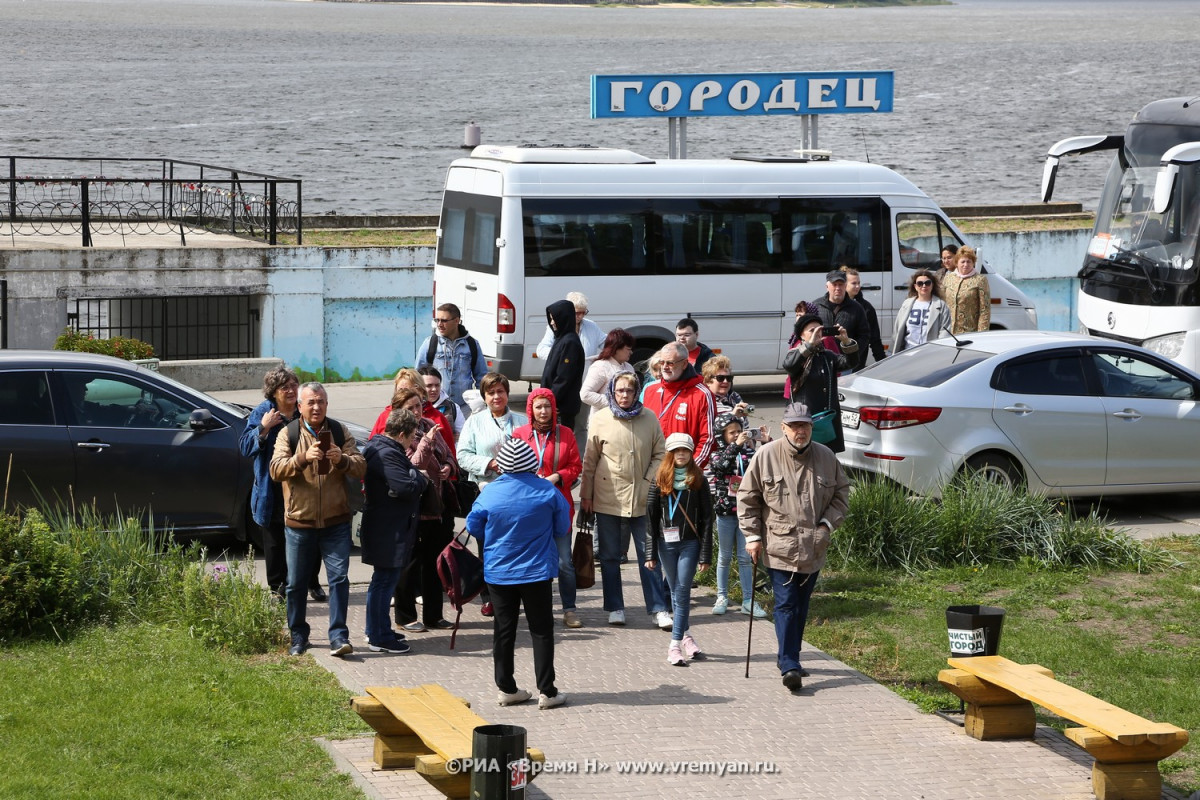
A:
[455, 353]
[516, 518]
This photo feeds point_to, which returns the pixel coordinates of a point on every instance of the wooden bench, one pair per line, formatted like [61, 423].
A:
[425, 729]
[1000, 695]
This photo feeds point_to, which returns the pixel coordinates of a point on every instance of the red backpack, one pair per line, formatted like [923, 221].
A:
[461, 573]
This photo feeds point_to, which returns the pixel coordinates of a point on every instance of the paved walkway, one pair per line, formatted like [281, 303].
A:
[843, 736]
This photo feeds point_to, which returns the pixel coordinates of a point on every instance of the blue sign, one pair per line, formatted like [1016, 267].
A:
[746, 95]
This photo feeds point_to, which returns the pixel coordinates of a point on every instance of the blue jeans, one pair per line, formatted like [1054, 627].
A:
[379, 599]
[303, 547]
[728, 533]
[679, 565]
[613, 534]
[566, 572]
[792, 592]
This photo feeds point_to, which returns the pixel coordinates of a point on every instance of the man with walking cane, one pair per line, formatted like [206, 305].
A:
[792, 497]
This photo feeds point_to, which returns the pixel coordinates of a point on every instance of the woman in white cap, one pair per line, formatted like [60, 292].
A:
[517, 518]
[679, 509]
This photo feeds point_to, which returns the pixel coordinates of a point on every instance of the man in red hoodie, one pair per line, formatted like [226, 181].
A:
[559, 463]
[681, 401]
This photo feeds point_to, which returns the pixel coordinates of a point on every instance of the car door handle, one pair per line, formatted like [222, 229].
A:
[902, 287]
[1128, 413]
[1019, 408]
[470, 287]
[97, 446]
[871, 288]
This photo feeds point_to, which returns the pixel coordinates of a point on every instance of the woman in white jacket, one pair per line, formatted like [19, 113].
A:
[485, 433]
[613, 359]
[923, 316]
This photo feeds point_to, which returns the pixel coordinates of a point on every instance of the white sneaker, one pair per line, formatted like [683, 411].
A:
[616, 618]
[664, 621]
[506, 699]
[722, 604]
[545, 702]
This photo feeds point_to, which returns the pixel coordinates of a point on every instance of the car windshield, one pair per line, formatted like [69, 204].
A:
[188, 390]
[926, 365]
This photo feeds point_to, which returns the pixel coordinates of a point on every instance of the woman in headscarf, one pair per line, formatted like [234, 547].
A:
[812, 372]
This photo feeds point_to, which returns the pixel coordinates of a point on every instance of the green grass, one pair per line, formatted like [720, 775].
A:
[141, 711]
[1131, 639]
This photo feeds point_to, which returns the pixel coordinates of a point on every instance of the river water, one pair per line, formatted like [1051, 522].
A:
[366, 102]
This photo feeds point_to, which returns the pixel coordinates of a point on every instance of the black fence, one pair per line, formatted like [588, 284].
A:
[3, 315]
[179, 328]
[137, 196]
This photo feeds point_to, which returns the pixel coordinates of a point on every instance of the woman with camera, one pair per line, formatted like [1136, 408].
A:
[813, 370]
[731, 455]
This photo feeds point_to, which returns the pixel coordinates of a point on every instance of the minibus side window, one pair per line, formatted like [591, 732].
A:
[470, 224]
[921, 238]
[832, 232]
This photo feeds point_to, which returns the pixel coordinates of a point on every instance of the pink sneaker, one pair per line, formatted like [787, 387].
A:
[691, 649]
[675, 655]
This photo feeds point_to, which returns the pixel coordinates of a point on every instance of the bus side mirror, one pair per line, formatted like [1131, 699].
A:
[1074, 146]
[1187, 153]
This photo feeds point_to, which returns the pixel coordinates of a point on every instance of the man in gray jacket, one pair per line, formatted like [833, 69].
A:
[792, 497]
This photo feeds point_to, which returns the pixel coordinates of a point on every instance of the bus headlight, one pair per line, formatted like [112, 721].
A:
[1168, 346]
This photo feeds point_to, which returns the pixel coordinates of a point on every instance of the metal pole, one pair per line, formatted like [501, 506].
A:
[233, 185]
[85, 211]
[299, 216]
[670, 137]
[274, 213]
[12, 188]
[3, 315]
[815, 119]
[683, 137]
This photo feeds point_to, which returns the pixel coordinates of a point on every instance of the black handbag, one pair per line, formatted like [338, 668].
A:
[465, 492]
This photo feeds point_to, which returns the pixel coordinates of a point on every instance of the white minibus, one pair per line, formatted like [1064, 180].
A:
[734, 244]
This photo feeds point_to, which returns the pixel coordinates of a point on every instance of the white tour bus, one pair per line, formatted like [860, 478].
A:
[734, 244]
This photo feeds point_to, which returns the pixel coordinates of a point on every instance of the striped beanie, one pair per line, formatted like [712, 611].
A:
[517, 456]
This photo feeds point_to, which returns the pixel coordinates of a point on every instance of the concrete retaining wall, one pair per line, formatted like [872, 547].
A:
[220, 374]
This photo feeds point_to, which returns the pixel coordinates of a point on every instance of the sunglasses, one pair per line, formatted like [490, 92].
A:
[924, 283]
[723, 378]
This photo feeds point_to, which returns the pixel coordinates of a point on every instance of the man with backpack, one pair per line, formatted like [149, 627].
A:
[316, 461]
[455, 353]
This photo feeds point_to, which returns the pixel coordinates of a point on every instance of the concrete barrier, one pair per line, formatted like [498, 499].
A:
[220, 374]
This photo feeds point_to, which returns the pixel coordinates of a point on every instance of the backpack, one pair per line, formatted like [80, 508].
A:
[355, 496]
[461, 573]
[472, 345]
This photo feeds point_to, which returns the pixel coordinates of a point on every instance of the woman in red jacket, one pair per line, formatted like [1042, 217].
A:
[559, 463]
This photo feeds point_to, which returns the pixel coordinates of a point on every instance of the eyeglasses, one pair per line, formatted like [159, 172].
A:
[626, 390]
[444, 320]
[723, 378]
[923, 283]
[677, 362]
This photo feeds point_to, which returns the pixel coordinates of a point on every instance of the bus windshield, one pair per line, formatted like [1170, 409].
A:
[1129, 234]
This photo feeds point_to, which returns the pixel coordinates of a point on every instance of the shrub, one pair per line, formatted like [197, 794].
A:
[45, 591]
[60, 573]
[118, 346]
[978, 522]
[225, 608]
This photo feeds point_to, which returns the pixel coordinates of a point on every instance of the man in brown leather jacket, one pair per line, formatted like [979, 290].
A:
[312, 461]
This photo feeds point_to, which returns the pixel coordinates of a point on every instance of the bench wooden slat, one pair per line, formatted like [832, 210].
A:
[1066, 701]
[444, 724]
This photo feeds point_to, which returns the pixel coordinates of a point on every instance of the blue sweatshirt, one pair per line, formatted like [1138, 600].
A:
[516, 518]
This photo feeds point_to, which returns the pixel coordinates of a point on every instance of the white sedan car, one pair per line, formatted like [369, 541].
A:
[1065, 413]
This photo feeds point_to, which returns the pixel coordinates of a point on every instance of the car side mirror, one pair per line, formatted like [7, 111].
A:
[202, 420]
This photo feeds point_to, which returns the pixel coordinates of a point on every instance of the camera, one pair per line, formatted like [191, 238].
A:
[749, 408]
[753, 434]
[829, 330]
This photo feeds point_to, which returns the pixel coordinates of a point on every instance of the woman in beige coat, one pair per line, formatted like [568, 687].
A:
[967, 294]
[625, 445]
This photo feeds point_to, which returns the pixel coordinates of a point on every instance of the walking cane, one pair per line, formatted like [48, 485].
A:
[750, 632]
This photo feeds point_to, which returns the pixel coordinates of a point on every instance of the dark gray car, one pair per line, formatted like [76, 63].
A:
[81, 429]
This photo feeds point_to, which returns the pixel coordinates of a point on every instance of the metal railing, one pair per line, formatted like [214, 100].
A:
[3, 315]
[179, 328]
[89, 197]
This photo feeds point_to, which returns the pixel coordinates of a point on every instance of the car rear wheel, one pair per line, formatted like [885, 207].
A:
[996, 467]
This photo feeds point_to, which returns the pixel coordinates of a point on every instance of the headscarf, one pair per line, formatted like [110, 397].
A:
[611, 395]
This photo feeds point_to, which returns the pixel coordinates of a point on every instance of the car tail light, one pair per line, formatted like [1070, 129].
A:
[889, 417]
[506, 315]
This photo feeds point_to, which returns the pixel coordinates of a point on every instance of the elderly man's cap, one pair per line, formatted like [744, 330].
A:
[517, 456]
[796, 412]
[835, 275]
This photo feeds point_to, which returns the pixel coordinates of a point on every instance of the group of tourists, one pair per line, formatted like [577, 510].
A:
[660, 460]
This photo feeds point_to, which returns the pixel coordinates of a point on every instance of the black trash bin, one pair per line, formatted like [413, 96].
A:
[501, 767]
[974, 630]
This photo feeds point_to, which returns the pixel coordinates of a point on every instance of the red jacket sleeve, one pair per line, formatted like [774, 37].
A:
[381, 422]
[570, 466]
[704, 426]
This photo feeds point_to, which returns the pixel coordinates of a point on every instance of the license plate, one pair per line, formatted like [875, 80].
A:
[850, 419]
